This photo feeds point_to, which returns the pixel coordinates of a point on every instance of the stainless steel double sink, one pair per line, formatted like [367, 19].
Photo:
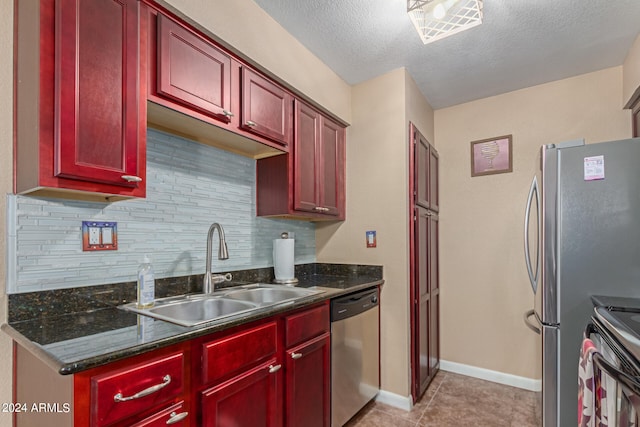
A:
[195, 309]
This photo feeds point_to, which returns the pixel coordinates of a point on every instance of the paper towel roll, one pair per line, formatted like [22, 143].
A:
[283, 251]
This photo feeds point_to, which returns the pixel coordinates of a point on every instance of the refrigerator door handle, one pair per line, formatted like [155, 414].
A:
[533, 277]
[530, 325]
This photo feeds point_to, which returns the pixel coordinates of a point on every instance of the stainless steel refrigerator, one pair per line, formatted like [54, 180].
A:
[582, 238]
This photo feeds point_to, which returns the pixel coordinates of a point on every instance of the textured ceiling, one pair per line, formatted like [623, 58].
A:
[521, 43]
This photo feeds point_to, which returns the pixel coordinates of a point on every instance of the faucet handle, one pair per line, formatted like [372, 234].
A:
[219, 278]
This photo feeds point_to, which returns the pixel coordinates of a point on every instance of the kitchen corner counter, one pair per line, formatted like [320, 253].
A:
[73, 341]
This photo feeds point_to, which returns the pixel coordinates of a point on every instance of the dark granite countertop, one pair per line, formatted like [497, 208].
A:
[89, 330]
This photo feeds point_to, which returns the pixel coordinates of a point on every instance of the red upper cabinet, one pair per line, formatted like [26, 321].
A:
[433, 179]
[426, 184]
[318, 164]
[80, 76]
[309, 183]
[200, 90]
[306, 194]
[332, 169]
[266, 108]
[192, 71]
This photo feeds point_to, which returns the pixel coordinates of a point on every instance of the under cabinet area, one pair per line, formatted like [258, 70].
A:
[80, 123]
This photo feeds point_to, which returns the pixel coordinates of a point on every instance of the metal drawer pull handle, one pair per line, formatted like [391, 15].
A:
[131, 178]
[174, 418]
[165, 382]
[274, 368]
[321, 209]
[227, 113]
[250, 123]
[296, 355]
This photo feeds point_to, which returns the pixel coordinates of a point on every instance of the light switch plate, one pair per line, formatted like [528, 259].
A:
[371, 239]
[99, 236]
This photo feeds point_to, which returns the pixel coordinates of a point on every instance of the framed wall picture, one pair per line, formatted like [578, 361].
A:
[491, 156]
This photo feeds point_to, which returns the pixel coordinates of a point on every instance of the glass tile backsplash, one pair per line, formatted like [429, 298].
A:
[189, 187]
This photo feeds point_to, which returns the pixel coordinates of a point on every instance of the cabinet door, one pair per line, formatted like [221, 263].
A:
[434, 197]
[193, 71]
[250, 399]
[422, 175]
[307, 380]
[434, 287]
[427, 327]
[331, 167]
[266, 108]
[96, 92]
[307, 134]
[423, 300]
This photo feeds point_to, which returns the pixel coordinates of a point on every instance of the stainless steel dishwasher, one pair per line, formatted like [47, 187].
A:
[355, 353]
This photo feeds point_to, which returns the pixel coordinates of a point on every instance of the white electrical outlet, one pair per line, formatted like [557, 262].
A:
[94, 235]
[99, 236]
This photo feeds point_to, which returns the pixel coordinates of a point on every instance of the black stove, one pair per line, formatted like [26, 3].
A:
[621, 317]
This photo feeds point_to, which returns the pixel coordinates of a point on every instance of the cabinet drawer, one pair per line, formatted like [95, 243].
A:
[125, 392]
[174, 415]
[229, 355]
[306, 325]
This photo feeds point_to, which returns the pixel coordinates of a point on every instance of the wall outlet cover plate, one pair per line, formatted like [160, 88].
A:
[99, 236]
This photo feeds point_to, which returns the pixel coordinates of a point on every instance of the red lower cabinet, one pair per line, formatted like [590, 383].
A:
[308, 368]
[250, 399]
[307, 381]
[270, 373]
[150, 389]
[175, 415]
[273, 373]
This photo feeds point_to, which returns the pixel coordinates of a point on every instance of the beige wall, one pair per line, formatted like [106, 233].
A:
[484, 287]
[419, 112]
[482, 274]
[249, 29]
[6, 183]
[631, 71]
[377, 199]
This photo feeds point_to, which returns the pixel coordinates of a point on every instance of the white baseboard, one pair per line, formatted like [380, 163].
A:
[395, 400]
[494, 376]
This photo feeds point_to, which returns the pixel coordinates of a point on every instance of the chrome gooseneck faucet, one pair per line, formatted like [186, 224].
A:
[208, 285]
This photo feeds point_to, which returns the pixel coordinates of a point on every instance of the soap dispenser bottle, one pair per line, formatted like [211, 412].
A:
[146, 284]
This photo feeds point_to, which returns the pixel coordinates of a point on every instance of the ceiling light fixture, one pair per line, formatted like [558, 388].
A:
[437, 19]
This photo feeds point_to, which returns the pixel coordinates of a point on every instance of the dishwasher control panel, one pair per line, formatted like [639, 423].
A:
[353, 304]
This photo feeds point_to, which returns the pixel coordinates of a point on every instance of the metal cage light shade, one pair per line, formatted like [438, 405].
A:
[437, 19]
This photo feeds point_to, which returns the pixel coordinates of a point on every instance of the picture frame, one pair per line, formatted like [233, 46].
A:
[492, 156]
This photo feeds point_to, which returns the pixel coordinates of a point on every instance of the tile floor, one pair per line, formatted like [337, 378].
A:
[454, 400]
